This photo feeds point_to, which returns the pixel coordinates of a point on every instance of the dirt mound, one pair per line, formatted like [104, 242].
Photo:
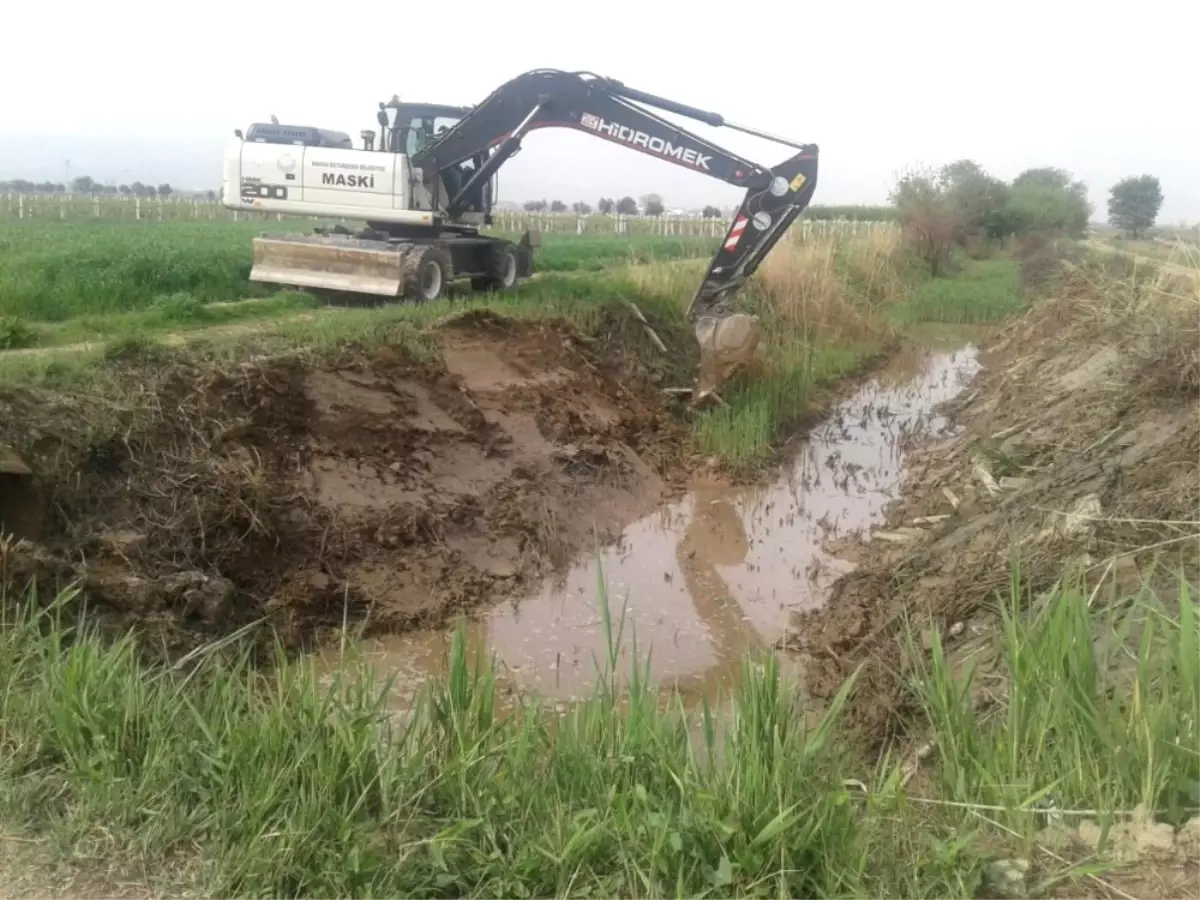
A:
[1078, 444]
[395, 485]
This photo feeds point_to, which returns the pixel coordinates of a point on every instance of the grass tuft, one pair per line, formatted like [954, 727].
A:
[984, 291]
[289, 787]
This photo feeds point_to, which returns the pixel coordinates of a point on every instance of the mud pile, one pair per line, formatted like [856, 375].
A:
[1078, 445]
[391, 486]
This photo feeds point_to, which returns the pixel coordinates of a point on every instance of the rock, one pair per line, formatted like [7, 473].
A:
[1187, 842]
[209, 595]
[1007, 877]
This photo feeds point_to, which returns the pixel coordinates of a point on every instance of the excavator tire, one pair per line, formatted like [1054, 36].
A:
[502, 267]
[22, 510]
[427, 271]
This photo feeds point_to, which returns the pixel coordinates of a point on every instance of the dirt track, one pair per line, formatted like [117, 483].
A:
[390, 489]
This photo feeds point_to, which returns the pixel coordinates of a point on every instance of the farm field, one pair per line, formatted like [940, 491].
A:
[356, 578]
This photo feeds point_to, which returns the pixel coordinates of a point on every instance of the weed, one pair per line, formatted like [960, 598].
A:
[14, 333]
[291, 788]
[985, 291]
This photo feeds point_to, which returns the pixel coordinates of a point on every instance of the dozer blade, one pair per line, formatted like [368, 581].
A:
[21, 504]
[730, 341]
[329, 262]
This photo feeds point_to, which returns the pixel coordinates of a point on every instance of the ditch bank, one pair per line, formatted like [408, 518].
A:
[705, 579]
[1076, 451]
[388, 486]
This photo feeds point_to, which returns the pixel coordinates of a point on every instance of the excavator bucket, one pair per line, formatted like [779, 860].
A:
[728, 341]
[329, 262]
[21, 505]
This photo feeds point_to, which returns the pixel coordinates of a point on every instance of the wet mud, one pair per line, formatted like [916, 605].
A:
[385, 488]
[714, 574]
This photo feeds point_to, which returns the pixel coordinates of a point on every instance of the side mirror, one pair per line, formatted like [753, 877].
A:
[237, 132]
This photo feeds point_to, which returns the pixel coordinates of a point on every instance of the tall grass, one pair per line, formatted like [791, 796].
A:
[290, 788]
[1102, 709]
[274, 783]
[983, 291]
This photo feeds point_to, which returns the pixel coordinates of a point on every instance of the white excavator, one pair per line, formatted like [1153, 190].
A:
[424, 191]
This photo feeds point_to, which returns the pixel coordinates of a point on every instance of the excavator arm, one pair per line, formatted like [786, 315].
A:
[605, 108]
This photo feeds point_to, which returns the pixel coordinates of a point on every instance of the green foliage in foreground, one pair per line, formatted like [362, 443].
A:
[294, 790]
[276, 784]
[52, 271]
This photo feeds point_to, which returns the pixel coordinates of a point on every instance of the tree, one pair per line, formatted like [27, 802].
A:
[125, 189]
[164, 190]
[84, 184]
[1047, 199]
[627, 206]
[1134, 204]
[928, 215]
[581, 209]
[534, 205]
[1045, 176]
[711, 212]
[210, 196]
[606, 206]
[558, 207]
[652, 205]
[978, 199]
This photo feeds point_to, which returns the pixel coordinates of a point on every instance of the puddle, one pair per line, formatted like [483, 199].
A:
[716, 574]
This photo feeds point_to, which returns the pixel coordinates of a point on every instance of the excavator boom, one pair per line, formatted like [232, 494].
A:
[423, 195]
[604, 108]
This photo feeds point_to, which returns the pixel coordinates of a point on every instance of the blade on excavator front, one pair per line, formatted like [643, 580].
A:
[729, 341]
[329, 262]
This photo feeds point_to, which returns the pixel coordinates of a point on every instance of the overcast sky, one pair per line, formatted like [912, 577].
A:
[146, 91]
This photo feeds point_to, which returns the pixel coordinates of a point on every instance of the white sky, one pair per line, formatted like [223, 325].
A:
[1102, 90]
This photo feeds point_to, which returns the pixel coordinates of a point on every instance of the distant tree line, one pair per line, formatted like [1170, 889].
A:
[85, 184]
[652, 205]
[960, 203]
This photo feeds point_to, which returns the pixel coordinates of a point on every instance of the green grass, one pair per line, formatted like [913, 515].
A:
[594, 253]
[275, 784]
[53, 271]
[983, 291]
[180, 312]
[595, 305]
[758, 409]
[291, 790]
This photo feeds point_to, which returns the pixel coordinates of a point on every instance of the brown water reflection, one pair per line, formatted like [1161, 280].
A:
[716, 574]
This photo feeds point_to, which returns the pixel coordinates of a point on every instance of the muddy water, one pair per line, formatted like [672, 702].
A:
[722, 571]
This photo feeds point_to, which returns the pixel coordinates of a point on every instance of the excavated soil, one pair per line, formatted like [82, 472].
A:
[389, 487]
[1078, 444]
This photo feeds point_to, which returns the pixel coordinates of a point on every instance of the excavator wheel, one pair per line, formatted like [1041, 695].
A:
[502, 268]
[427, 271]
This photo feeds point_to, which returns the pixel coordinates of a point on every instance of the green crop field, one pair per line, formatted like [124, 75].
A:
[53, 271]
